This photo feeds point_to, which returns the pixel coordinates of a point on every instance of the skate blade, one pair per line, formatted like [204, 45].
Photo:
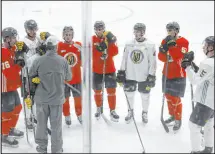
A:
[175, 131]
[16, 137]
[114, 120]
[97, 118]
[10, 146]
[129, 121]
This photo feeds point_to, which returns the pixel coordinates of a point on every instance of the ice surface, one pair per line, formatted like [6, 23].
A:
[196, 20]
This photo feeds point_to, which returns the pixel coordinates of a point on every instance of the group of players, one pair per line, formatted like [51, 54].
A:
[54, 70]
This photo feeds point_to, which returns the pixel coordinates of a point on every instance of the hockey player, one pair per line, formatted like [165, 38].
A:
[138, 67]
[171, 52]
[52, 70]
[203, 113]
[104, 49]
[70, 50]
[32, 41]
[12, 62]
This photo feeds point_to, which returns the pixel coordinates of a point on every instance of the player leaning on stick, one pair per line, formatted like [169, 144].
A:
[172, 51]
[104, 49]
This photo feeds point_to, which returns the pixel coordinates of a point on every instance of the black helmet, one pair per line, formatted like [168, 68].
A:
[99, 24]
[140, 26]
[173, 25]
[209, 40]
[30, 24]
[9, 32]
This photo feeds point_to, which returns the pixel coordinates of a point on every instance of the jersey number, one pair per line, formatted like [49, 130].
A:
[202, 73]
[5, 65]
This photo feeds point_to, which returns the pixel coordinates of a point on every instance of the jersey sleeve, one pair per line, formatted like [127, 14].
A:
[112, 49]
[162, 56]
[152, 61]
[8, 66]
[124, 59]
[206, 72]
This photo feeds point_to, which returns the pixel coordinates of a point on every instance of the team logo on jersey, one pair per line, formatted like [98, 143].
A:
[183, 50]
[137, 56]
[71, 58]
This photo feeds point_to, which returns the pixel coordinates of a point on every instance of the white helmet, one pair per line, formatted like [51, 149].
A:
[51, 42]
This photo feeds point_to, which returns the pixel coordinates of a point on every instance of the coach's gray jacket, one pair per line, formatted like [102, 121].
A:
[52, 70]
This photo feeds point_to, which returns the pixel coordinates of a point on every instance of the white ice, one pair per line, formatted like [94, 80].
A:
[196, 20]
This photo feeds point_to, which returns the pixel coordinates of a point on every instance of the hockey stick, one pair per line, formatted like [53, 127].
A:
[76, 90]
[23, 103]
[134, 122]
[163, 99]
[29, 93]
[103, 82]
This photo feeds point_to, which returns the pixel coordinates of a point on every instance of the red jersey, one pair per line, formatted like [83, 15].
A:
[11, 79]
[73, 56]
[176, 55]
[112, 50]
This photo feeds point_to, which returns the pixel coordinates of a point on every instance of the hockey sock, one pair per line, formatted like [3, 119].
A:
[98, 97]
[6, 118]
[66, 107]
[209, 133]
[195, 136]
[145, 101]
[78, 106]
[111, 92]
[130, 96]
[15, 115]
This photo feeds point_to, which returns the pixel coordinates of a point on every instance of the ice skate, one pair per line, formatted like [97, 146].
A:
[9, 141]
[144, 117]
[114, 116]
[129, 117]
[68, 120]
[16, 133]
[98, 113]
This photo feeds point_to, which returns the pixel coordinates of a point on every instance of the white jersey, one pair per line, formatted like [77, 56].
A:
[204, 79]
[31, 55]
[139, 60]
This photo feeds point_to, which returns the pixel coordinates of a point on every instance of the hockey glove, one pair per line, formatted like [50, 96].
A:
[21, 47]
[110, 37]
[151, 80]
[170, 41]
[121, 76]
[44, 35]
[28, 102]
[102, 46]
[163, 48]
[41, 50]
[36, 80]
[20, 62]
[187, 60]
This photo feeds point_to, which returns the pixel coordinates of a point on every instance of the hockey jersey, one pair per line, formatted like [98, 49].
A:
[139, 60]
[98, 62]
[176, 54]
[73, 56]
[11, 79]
[204, 79]
[31, 55]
